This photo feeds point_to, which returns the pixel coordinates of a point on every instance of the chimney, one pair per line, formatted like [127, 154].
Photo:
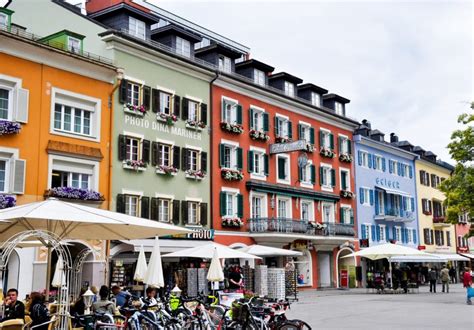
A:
[365, 122]
[393, 138]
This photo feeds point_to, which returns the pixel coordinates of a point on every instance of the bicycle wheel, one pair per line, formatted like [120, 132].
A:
[299, 324]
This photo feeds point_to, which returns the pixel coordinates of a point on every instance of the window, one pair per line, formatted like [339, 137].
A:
[183, 47]
[193, 218]
[305, 173]
[5, 102]
[378, 162]
[282, 127]
[339, 108]
[307, 211]
[231, 111]
[229, 156]
[4, 175]
[164, 154]
[398, 233]
[289, 89]
[3, 20]
[364, 159]
[283, 208]
[365, 198]
[328, 212]
[164, 209]
[283, 169]
[165, 103]
[381, 203]
[257, 119]
[326, 139]
[344, 145]
[133, 93]
[257, 203]
[346, 215]
[382, 233]
[225, 64]
[132, 203]
[257, 163]
[73, 120]
[315, 99]
[136, 28]
[70, 179]
[305, 133]
[73, 172]
[259, 77]
[327, 176]
[409, 236]
[193, 111]
[73, 44]
[345, 180]
[231, 204]
[365, 232]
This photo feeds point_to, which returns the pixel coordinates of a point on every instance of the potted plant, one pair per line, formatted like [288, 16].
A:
[232, 128]
[7, 201]
[326, 152]
[74, 193]
[9, 127]
[231, 175]
[169, 119]
[168, 170]
[136, 109]
[346, 158]
[259, 135]
[232, 222]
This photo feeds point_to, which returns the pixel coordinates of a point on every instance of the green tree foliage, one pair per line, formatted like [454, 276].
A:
[459, 188]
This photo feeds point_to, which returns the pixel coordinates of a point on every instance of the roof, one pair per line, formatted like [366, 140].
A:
[312, 87]
[254, 64]
[125, 7]
[66, 32]
[402, 144]
[418, 148]
[219, 49]
[336, 97]
[376, 132]
[172, 29]
[285, 76]
[430, 154]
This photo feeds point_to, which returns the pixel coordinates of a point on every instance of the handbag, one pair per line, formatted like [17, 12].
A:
[470, 292]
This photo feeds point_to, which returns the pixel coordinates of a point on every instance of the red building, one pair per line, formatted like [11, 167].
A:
[299, 200]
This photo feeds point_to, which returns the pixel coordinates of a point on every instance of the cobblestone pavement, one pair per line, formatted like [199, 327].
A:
[357, 309]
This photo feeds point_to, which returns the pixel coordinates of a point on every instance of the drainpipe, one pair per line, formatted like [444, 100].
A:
[211, 153]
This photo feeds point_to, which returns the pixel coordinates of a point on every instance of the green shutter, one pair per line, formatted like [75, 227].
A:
[265, 164]
[221, 154]
[311, 135]
[240, 161]
[331, 141]
[250, 161]
[281, 168]
[251, 118]
[352, 216]
[333, 177]
[265, 122]
[240, 206]
[340, 140]
[239, 114]
[223, 203]
[349, 146]
[321, 175]
[343, 179]
[290, 130]
[299, 131]
[277, 133]
[313, 174]
[341, 215]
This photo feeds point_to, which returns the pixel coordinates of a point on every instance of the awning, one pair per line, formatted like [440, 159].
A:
[166, 245]
[451, 256]
[424, 258]
[468, 255]
[392, 191]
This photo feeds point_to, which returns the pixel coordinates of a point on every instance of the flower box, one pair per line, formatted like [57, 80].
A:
[139, 110]
[167, 170]
[9, 127]
[282, 139]
[309, 147]
[317, 225]
[232, 175]
[346, 158]
[232, 222]
[74, 194]
[197, 175]
[259, 135]
[7, 201]
[326, 152]
[347, 194]
[232, 128]
[168, 119]
[136, 165]
[193, 124]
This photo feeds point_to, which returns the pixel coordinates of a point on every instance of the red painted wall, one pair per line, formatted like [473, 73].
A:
[93, 6]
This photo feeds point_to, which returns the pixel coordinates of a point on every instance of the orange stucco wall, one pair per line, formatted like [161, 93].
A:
[33, 138]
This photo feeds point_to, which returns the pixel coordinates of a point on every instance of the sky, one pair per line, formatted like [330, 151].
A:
[406, 66]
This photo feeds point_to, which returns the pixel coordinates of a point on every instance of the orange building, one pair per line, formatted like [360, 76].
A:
[55, 126]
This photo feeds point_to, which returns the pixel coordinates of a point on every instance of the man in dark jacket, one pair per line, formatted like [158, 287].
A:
[14, 309]
[433, 276]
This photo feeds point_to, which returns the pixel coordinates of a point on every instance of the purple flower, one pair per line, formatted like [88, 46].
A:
[7, 201]
[9, 127]
[74, 193]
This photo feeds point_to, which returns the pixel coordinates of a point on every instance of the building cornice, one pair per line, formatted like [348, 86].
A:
[292, 191]
[429, 164]
[362, 140]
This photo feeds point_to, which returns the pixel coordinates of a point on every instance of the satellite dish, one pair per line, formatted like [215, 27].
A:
[302, 160]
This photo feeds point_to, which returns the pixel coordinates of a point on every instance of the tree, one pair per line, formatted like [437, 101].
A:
[459, 188]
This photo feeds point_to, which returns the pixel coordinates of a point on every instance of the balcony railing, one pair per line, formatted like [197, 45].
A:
[292, 226]
[439, 219]
[395, 214]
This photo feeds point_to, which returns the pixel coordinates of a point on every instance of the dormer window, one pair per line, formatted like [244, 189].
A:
[289, 89]
[136, 28]
[183, 47]
[259, 77]
[225, 64]
[73, 45]
[315, 99]
[338, 107]
[3, 20]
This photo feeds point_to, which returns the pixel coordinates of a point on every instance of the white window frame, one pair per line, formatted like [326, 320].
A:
[233, 153]
[339, 108]
[260, 153]
[137, 28]
[183, 47]
[315, 99]
[162, 109]
[348, 176]
[225, 64]
[346, 208]
[70, 41]
[382, 229]
[311, 217]
[378, 162]
[345, 144]
[307, 172]
[366, 192]
[365, 158]
[283, 130]
[7, 174]
[259, 77]
[306, 130]
[332, 216]
[264, 206]
[75, 165]
[410, 236]
[368, 234]
[10, 91]
[289, 88]
[14, 85]
[326, 141]
[233, 110]
[289, 211]
[83, 102]
[287, 180]
[327, 184]
[258, 115]
[398, 234]
[194, 108]
[128, 198]
[233, 193]
[381, 210]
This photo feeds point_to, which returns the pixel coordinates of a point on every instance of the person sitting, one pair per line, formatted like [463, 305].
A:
[150, 299]
[14, 309]
[120, 297]
[104, 305]
[38, 312]
[79, 306]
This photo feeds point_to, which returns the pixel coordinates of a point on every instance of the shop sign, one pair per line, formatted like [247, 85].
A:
[421, 247]
[299, 246]
[387, 183]
[364, 243]
[278, 148]
[161, 127]
[197, 234]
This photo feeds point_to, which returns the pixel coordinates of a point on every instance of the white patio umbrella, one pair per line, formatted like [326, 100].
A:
[215, 273]
[141, 269]
[268, 251]
[154, 273]
[207, 252]
[386, 251]
[59, 278]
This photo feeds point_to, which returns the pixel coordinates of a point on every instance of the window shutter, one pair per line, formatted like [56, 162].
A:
[351, 212]
[412, 204]
[251, 123]
[372, 231]
[343, 180]
[300, 173]
[321, 175]
[21, 114]
[410, 171]
[371, 194]
[422, 177]
[339, 144]
[387, 233]
[18, 167]
[204, 162]
[175, 214]
[376, 201]
[146, 151]
[281, 168]
[176, 150]
[390, 166]
[399, 168]
[361, 195]
[239, 114]
[155, 100]
[427, 179]
[223, 203]
[176, 105]
[240, 160]
[359, 156]
[154, 153]
[203, 214]
[154, 208]
[123, 91]
[265, 164]
[120, 203]
[333, 177]
[423, 205]
[341, 215]
[383, 164]
[184, 212]
[313, 174]
[362, 230]
[374, 160]
[185, 109]
[300, 135]
[349, 146]
[122, 146]
[377, 233]
[240, 206]
[331, 141]
[426, 236]
[221, 155]
[321, 139]
[277, 132]
[145, 207]
[430, 208]
[250, 161]
[204, 113]
[184, 159]
[146, 90]
[311, 135]
[266, 123]
[290, 130]
[415, 240]
[370, 161]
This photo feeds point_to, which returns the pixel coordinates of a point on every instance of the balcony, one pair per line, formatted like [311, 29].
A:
[292, 226]
[395, 215]
[440, 221]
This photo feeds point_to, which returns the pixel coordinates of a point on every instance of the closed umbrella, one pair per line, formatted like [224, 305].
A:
[59, 278]
[154, 273]
[141, 269]
[215, 274]
[207, 252]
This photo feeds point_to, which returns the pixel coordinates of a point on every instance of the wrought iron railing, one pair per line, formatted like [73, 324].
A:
[395, 213]
[297, 226]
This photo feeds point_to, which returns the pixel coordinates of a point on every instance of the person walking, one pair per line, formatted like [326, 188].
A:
[467, 282]
[445, 278]
[452, 274]
[433, 276]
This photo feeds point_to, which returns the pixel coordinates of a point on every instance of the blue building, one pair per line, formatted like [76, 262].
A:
[386, 189]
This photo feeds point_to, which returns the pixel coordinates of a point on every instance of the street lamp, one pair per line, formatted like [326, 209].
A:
[88, 296]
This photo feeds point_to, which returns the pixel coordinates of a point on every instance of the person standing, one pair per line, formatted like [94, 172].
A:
[445, 278]
[14, 309]
[452, 274]
[467, 282]
[235, 278]
[433, 276]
